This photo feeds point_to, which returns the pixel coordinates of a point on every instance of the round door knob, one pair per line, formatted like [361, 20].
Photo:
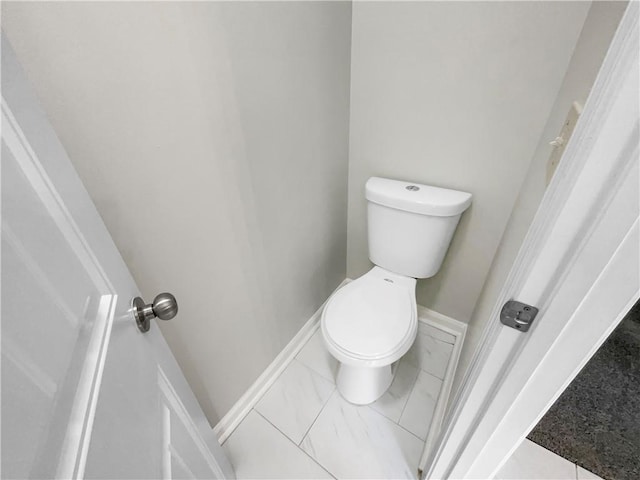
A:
[164, 306]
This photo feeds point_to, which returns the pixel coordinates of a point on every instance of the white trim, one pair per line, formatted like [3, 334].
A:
[166, 443]
[29, 163]
[459, 329]
[75, 446]
[248, 400]
[579, 200]
[442, 322]
[175, 456]
[176, 405]
[23, 362]
[36, 272]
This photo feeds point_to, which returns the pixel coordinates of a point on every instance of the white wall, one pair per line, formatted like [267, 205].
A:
[594, 40]
[453, 94]
[213, 139]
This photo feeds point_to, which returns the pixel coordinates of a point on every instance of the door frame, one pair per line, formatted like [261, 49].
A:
[578, 264]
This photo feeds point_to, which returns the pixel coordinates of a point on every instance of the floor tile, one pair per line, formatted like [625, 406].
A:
[418, 413]
[392, 403]
[316, 356]
[295, 399]
[257, 449]
[584, 474]
[358, 442]
[430, 354]
[437, 333]
[531, 461]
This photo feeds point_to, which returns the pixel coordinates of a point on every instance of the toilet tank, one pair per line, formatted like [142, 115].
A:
[410, 226]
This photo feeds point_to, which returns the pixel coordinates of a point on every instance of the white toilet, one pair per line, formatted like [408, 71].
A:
[370, 323]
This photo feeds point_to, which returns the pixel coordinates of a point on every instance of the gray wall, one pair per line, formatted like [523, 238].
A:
[596, 35]
[453, 94]
[213, 139]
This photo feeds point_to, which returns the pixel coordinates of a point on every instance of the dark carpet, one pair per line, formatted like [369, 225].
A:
[596, 421]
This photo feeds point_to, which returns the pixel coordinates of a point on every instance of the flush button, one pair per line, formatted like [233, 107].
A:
[412, 188]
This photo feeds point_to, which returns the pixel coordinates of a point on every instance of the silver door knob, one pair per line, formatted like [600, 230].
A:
[164, 306]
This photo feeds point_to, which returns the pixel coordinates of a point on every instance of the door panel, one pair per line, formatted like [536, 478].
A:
[185, 453]
[128, 403]
[52, 313]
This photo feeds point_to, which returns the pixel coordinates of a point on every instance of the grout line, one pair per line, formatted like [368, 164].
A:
[410, 432]
[272, 424]
[321, 375]
[319, 464]
[387, 418]
[318, 331]
[408, 398]
[403, 408]
[380, 413]
[411, 393]
[405, 402]
[455, 337]
[315, 419]
[292, 442]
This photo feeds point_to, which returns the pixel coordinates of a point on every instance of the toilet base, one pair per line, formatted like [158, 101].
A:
[363, 385]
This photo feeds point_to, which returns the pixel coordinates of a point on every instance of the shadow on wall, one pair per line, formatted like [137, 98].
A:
[428, 290]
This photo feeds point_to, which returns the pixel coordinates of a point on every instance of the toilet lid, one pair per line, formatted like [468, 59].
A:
[370, 317]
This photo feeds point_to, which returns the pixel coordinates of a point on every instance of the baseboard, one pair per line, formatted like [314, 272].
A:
[444, 323]
[243, 406]
[459, 329]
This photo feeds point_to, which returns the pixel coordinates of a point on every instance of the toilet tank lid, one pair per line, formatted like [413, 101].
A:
[417, 198]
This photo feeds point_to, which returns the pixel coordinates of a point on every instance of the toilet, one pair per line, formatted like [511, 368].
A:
[371, 322]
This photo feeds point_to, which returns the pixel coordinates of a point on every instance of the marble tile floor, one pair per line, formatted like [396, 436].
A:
[533, 462]
[303, 428]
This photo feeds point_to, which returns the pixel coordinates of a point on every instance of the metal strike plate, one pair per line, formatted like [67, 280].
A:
[518, 315]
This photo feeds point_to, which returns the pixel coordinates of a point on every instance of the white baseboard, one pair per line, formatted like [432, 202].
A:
[444, 323]
[459, 329]
[243, 406]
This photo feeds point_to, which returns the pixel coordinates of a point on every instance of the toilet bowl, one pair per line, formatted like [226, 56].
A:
[370, 323]
[367, 325]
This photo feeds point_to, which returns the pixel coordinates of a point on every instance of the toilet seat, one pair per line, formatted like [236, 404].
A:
[371, 321]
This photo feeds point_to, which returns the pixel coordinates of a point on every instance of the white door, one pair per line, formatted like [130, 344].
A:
[85, 394]
[580, 264]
